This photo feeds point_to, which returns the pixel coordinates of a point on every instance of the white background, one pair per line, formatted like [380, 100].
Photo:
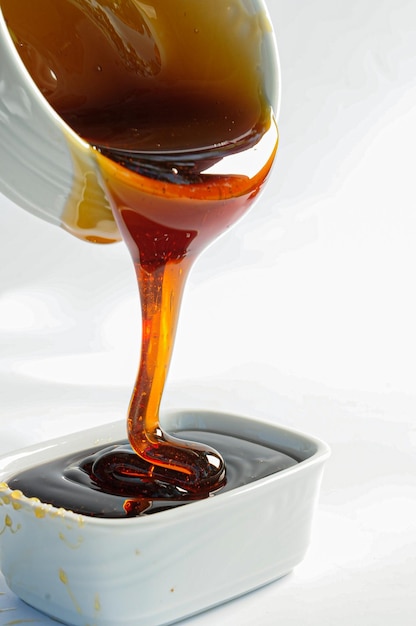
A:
[303, 314]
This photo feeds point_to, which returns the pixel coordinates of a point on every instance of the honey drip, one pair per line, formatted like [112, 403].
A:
[173, 99]
[87, 213]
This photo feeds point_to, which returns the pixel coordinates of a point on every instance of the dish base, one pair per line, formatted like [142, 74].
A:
[156, 570]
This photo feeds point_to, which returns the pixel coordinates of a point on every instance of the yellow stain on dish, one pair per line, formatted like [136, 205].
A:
[12, 497]
[57, 513]
[40, 509]
[73, 546]
[8, 525]
[64, 580]
[97, 603]
[63, 577]
[16, 499]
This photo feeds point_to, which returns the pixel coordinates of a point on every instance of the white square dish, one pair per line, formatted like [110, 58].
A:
[149, 571]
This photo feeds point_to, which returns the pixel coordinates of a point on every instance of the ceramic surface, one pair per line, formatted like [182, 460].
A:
[156, 570]
[36, 165]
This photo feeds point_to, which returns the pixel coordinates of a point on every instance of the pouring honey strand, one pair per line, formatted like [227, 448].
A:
[173, 98]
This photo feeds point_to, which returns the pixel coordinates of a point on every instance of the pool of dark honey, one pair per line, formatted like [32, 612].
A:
[63, 483]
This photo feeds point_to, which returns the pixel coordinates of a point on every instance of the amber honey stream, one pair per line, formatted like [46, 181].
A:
[172, 98]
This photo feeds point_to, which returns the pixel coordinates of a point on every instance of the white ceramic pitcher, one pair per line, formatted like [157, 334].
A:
[45, 167]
